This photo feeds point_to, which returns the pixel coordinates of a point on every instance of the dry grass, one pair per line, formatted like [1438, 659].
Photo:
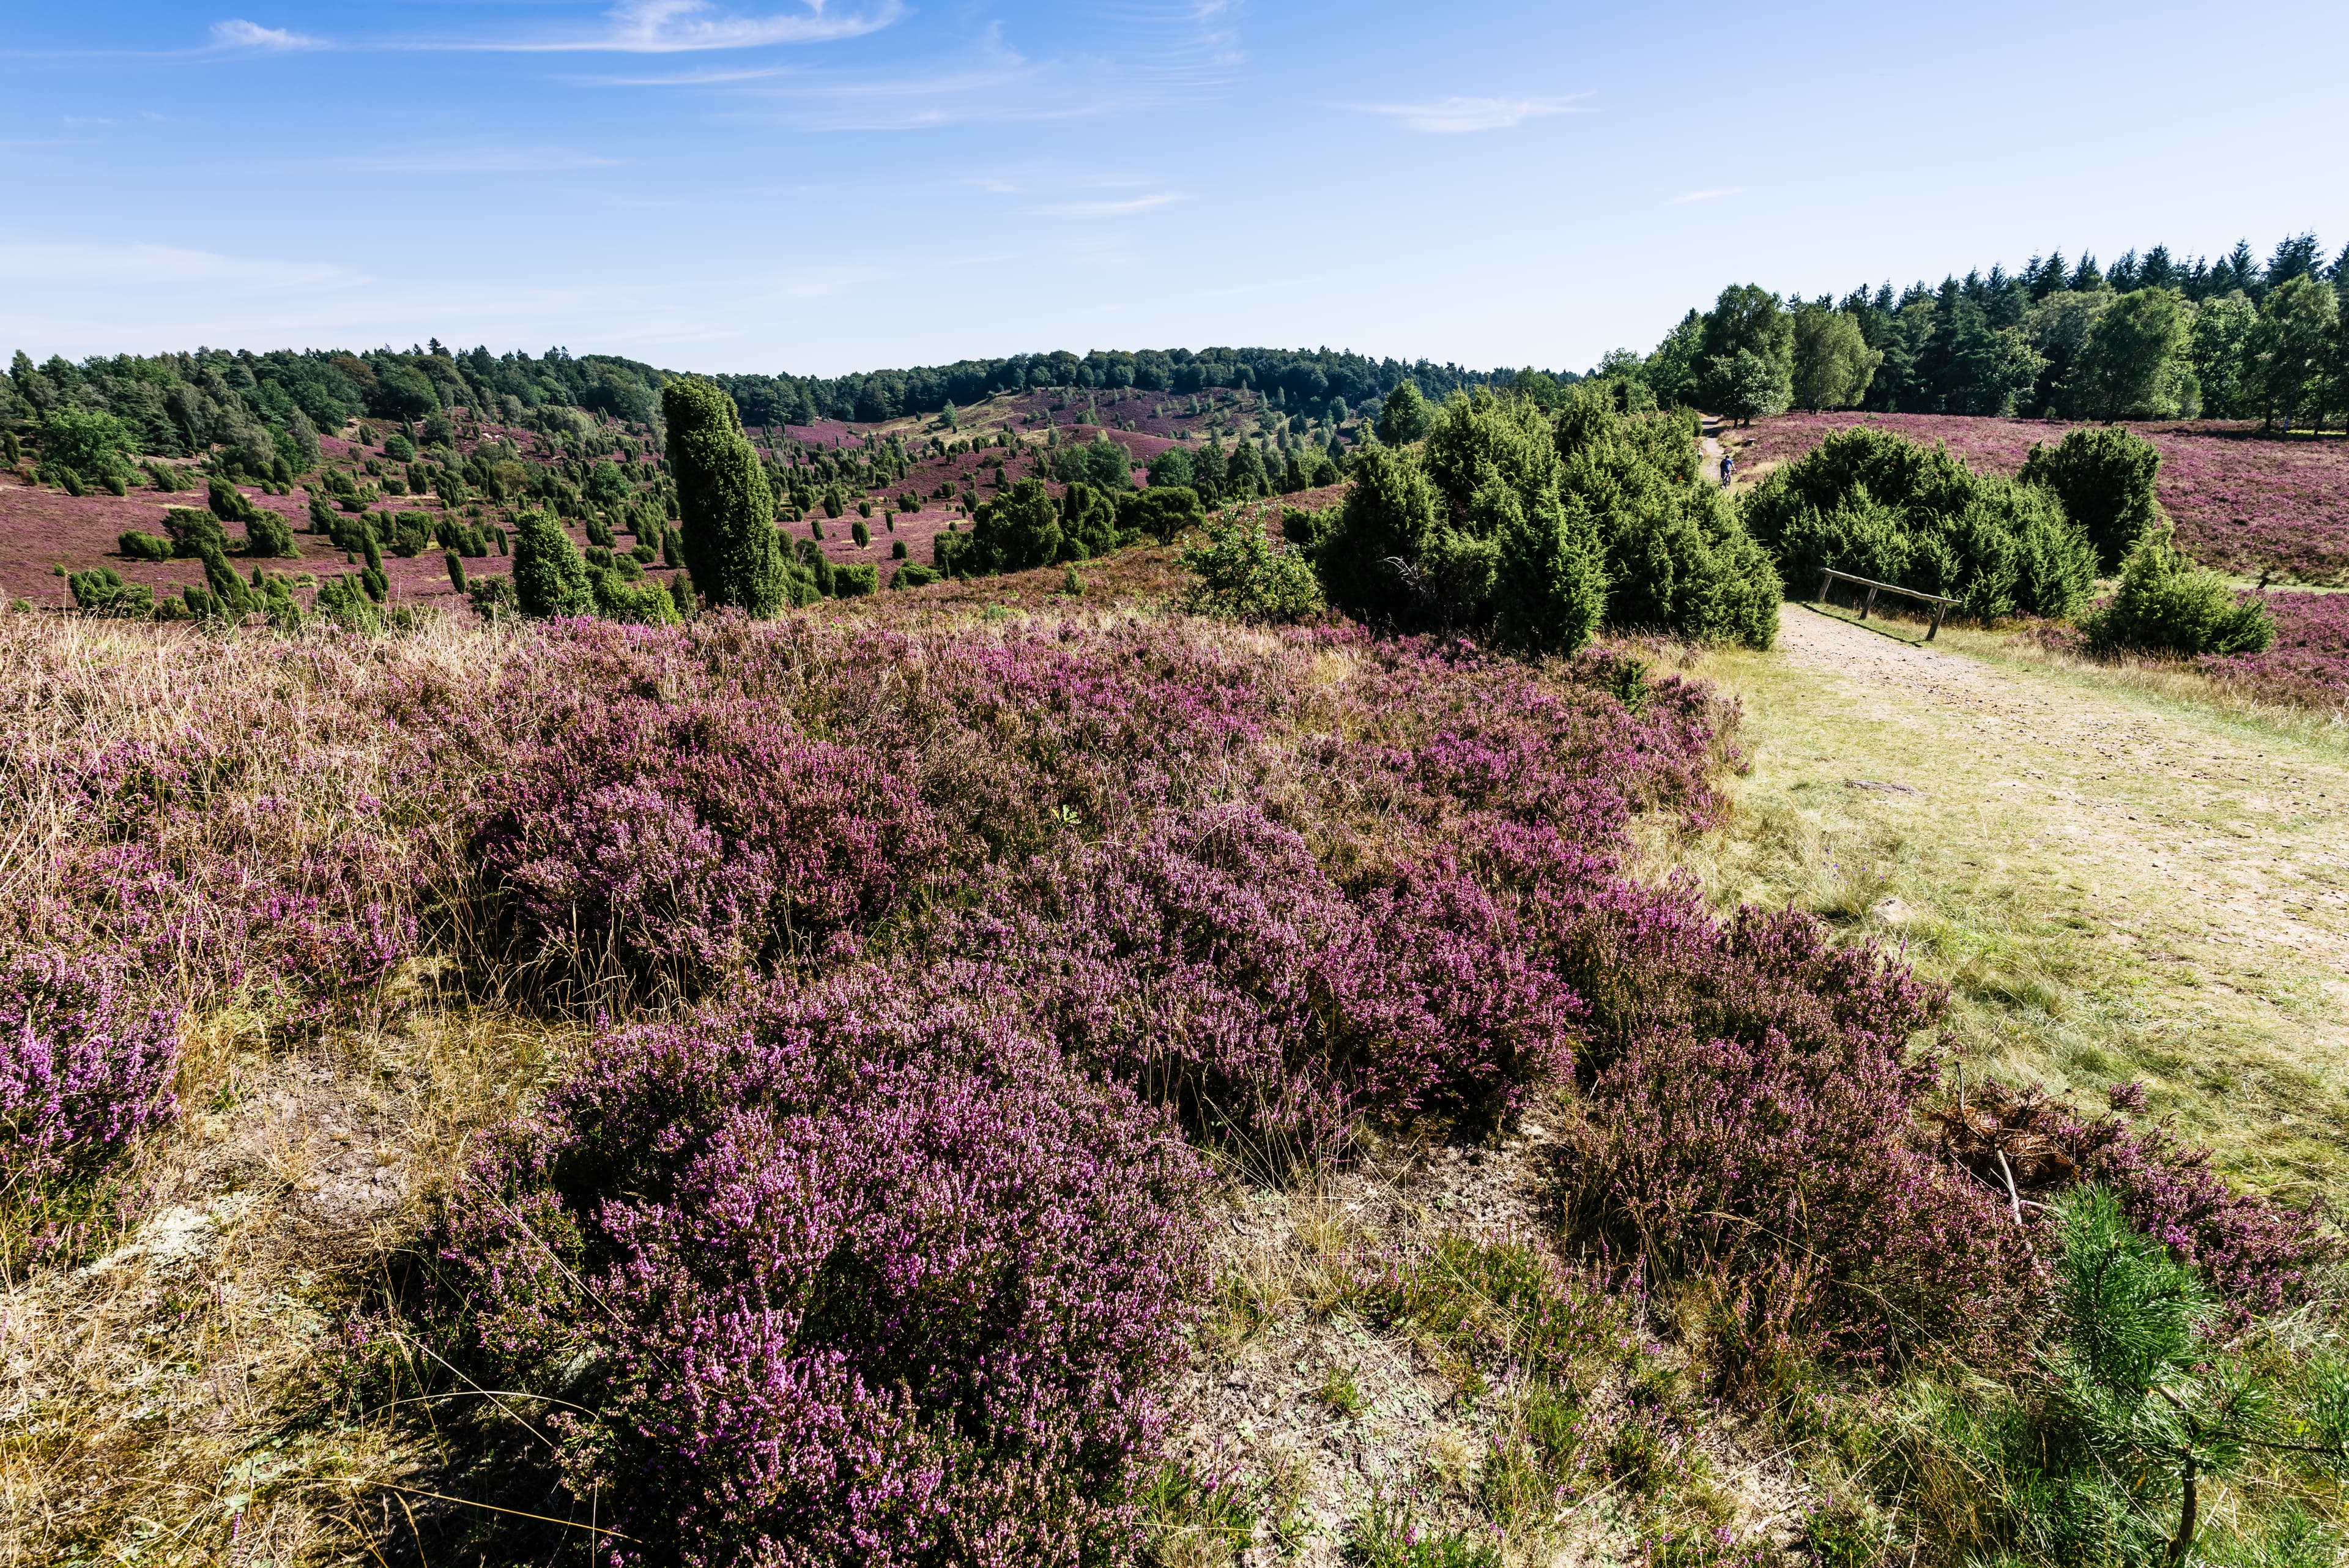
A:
[161, 1404]
[2114, 880]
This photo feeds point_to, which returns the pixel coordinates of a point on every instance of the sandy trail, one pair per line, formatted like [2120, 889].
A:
[2207, 857]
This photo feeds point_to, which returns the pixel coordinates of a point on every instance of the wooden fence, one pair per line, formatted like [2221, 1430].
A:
[1942, 605]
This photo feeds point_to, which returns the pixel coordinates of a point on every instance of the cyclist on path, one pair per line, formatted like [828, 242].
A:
[1728, 463]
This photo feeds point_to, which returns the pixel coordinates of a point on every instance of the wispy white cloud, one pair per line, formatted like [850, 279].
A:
[687, 27]
[1452, 116]
[1704, 195]
[240, 33]
[1117, 207]
[466, 160]
[36, 260]
[1256, 287]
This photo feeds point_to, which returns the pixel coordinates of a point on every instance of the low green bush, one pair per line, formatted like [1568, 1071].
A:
[268, 536]
[2105, 478]
[100, 590]
[1871, 504]
[191, 530]
[138, 546]
[1242, 576]
[2166, 603]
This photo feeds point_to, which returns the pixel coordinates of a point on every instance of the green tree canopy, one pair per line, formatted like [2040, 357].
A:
[1832, 361]
[2135, 363]
[2288, 348]
[1406, 416]
[91, 443]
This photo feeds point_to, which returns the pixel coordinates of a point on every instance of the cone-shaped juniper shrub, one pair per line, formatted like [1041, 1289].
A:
[729, 510]
[550, 577]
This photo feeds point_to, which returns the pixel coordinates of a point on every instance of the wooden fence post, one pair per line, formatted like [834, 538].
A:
[1869, 605]
[1825, 579]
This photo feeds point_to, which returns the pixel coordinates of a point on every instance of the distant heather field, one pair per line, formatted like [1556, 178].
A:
[2244, 502]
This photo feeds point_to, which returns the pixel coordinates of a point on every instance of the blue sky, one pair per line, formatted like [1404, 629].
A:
[765, 185]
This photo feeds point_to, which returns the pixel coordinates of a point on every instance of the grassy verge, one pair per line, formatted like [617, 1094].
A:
[2114, 879]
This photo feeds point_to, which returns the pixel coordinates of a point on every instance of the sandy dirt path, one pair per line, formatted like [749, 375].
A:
[2178, 879]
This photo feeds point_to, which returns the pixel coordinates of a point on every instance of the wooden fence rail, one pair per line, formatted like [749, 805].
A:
[1942, 605]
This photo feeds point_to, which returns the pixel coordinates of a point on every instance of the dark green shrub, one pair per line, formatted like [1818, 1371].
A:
[898, 550]
[1873, 504]
[549, 576]
[1011, 534]
[345, 599]
[116, 484]
[229, 503]
[455, 564]
[2105, 478]
[412, 533]
[914, 575]
[191, 530]
[1163, 512]
[323, 518]
[1470, 530]
[1090, 522]
[230, 596]
[2166, 604]
[1240, 575]
[642, 603]
[599, 533]
[399, 448]
[859, 533]
[138, 546]
[855, 579]
[729, 509]
[100, 590]
[267, 536]
[1678, 559]
[865, 508]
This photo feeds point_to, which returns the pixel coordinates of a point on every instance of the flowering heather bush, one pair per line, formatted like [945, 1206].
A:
[689, 841]
[2307, 663]
[2259, 1256]
[1752, 1114]
[861, 1276]
[1216, 964]
[84, 1068]
[2243, 502]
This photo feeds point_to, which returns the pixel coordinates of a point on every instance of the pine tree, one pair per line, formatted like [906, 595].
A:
[727, 509]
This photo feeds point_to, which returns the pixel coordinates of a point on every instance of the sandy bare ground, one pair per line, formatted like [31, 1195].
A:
[2194, 870]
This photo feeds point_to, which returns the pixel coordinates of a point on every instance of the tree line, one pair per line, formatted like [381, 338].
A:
[2155, 335]
[1311, 376]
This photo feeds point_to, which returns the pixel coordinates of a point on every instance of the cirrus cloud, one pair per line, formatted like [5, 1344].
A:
[1454, 116]
[240, 33]
[688, 26]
